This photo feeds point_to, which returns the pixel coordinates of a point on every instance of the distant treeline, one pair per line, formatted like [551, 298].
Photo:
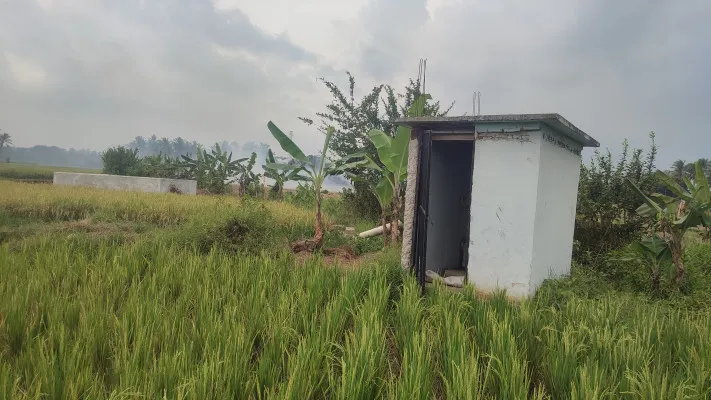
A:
[146, 146]
[53, 155]
[61, 157]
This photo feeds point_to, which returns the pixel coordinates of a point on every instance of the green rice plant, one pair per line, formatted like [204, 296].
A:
[462, 376]
[159, 315]
[590, 383]
[562, 360]
[363, 362]
[414, 347]
[509, 369]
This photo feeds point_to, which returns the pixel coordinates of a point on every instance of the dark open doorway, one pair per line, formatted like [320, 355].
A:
[449, 201]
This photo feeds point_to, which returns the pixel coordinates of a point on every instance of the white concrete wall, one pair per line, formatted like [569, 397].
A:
[128, 183]
[503, 211]
[555, 208]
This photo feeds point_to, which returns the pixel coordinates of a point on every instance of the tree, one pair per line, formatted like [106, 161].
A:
[606, 217]
[672, 216]
[678, 171]
[5, 140]
[353, 119]
[248, 180]
[120, 161]
[392, 165]
[315, 175]
[383, 192]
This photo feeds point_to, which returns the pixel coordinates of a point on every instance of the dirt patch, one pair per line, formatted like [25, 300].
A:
[342, 258]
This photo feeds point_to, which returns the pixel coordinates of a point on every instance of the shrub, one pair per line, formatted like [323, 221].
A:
[121, 161]
[606, 217]
[361, 201]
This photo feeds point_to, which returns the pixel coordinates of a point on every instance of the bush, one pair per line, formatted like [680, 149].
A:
[594, 239]
[121, 161]
[361, 201]
[606, 217]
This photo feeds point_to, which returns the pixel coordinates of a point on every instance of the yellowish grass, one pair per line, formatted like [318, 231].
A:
[68, 202]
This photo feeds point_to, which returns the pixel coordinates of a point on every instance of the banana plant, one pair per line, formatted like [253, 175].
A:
[248, 180]
[393, 154]
[315, 174]
[214, 170]
[673, 216]
[280, 177]
[383, 192]
[654, 253]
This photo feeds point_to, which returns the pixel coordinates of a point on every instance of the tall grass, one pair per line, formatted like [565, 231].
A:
[85, 316]
[157, 320]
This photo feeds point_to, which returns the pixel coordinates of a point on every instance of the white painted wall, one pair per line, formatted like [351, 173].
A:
[555, 207]
[523, 208]
[129, 183]
[503, 211]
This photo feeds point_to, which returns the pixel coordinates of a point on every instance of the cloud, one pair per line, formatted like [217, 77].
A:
[218, 70]
[24, 71]
[114, 70]
[617, 70]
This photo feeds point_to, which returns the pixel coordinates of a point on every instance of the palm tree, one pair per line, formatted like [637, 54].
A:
[5, 140]
[677, 170]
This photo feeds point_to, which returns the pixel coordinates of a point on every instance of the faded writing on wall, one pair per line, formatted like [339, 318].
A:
[514, 137]
[562, 144]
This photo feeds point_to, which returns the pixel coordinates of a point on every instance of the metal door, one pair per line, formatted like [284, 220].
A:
[419, 260]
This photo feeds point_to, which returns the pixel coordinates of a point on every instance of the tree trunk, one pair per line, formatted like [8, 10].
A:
[314, 244]
[318, 228]
[677, 255]
[384, 222]
[395, 224]
[655, 280]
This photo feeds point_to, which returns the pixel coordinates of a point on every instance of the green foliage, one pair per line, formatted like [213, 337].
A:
[162, 314]
[247, 179]
[606, 204]
[315, 173]
[5, 140]
[393, 156]
[304, 195]
[670, 217]
[162, 166]
[279, 177]
[121, 161]
[214, 171]
[353, 119]
[680, 169]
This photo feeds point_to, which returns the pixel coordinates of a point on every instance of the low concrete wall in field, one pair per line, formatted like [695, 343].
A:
[129, 183]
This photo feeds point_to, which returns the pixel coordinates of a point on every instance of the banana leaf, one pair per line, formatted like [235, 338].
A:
[287, 144]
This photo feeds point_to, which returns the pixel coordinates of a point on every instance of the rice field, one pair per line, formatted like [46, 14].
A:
[37, 173]
[152, 317]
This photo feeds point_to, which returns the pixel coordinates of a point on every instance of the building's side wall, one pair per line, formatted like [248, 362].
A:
[410, 199]
[555, 208]
[128, 183]
[450, 172]
[503, 210]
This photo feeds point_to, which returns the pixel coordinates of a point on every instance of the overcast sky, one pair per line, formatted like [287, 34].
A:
[94, 73]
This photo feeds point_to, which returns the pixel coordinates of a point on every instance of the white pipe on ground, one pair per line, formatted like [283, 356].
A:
[378, 230]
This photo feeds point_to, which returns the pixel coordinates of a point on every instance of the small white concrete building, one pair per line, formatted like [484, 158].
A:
[493, 195]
